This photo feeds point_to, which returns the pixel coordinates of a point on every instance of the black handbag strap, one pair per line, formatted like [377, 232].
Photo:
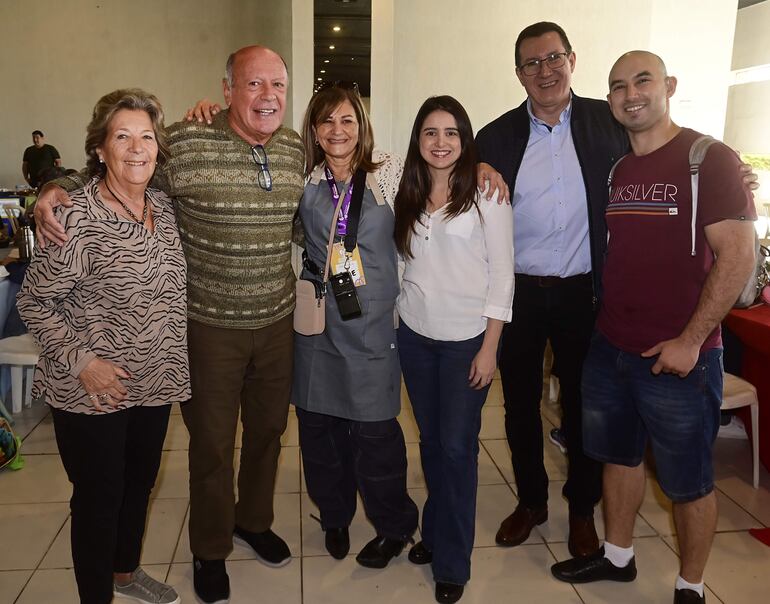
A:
[354, 213]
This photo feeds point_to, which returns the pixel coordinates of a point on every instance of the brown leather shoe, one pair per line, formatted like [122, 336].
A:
[516, 528]
[582, 536]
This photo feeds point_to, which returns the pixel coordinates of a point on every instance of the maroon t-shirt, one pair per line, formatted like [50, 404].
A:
[652, 283]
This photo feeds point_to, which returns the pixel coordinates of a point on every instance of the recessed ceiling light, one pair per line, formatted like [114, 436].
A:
[352, 58]
[323, 71]
[336, 28]
[319, 79]
[326, 60]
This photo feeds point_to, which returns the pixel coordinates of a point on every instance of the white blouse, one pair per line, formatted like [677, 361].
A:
[461, 273]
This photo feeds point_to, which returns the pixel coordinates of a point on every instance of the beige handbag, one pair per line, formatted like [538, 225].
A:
[310, 309]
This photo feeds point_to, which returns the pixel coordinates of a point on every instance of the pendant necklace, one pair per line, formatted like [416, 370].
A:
[126, 208]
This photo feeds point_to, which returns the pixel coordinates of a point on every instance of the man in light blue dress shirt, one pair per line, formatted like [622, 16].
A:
[555, 152]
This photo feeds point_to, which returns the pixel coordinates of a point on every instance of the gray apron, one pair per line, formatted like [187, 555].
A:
[351, 370]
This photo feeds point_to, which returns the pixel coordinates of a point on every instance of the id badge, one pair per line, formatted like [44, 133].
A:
[352, 264]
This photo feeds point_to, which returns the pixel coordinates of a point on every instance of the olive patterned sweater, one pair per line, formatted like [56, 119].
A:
[236, 235]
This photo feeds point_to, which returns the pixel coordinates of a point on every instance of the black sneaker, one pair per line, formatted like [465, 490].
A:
[556, 436]
[271, 550]
[688, 596]
[212, 585]
[593, 568]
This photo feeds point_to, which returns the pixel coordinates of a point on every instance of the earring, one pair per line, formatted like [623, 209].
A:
[101, 159]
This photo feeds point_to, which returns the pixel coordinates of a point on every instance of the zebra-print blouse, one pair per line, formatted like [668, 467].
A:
[115, 291]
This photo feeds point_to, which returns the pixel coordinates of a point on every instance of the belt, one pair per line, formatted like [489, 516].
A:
[550, 281]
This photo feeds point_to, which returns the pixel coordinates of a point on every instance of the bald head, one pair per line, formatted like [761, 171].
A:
[247, 53]
[640, 89]
[648, 60]
[255, 88]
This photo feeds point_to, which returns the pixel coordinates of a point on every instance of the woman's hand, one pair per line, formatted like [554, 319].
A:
[203, 110]
[101, 380]
[483, 368]
[49, 230]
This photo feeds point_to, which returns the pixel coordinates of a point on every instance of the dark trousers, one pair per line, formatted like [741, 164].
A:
[562, 312]
[342, 456]
[112, 460]
[232, 372]
[448, 414]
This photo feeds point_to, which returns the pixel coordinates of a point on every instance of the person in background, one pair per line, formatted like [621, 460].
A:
[456, 294]
[108, 310]
[347, 388]
[37, 158]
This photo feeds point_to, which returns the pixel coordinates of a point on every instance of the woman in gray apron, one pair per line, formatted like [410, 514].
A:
[347, 380]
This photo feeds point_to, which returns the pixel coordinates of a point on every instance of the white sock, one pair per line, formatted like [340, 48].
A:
[619, 556]
[682, 584]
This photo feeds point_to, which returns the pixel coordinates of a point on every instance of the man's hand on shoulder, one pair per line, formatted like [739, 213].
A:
[491, 182]
[48, 228]
[204, 110]
[674, 356]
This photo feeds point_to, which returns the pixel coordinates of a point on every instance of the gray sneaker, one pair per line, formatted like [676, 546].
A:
[146, 590]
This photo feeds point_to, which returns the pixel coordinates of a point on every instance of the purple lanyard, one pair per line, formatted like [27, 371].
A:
[342, 219]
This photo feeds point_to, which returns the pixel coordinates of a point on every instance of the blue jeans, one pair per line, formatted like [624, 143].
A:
[448, 414]
[625, 405]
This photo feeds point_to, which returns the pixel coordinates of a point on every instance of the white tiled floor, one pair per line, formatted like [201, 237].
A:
[35, 561]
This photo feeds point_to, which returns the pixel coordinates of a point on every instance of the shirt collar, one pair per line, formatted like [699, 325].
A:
[564, 117]
[98, 210]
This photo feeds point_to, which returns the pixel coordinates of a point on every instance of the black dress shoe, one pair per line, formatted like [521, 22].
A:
[379, 551]
[688, 596]
[448, 593]
[210, 580]
[337, 542]
[593, 568]
[419, 554]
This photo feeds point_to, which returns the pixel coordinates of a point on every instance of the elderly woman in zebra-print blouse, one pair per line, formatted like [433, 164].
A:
[108, 310]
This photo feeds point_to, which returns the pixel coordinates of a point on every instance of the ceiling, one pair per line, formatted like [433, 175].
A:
[350, 60]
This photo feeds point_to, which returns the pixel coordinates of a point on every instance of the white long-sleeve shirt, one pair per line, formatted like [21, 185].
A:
[461, 273]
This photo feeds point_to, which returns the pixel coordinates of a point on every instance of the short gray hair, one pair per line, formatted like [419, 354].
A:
[106, 108]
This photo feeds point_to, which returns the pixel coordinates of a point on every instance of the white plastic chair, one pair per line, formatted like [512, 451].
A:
[21, 354]
[736, 393]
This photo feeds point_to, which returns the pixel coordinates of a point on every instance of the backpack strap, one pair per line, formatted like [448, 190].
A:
[609, 184]
[612, 173]
[698, 151]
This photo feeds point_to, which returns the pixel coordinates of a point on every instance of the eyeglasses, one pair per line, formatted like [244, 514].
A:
[553, 60]
[264, 178]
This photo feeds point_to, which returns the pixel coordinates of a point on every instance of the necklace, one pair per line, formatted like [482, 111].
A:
[126, 208]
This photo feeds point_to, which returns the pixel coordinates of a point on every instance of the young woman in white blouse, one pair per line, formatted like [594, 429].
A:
[456, 293]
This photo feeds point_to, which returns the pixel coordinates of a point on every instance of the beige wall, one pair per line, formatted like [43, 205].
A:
[302, 58]
[748, 113]
[752, 43]
[57, 58]
[465, 48]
